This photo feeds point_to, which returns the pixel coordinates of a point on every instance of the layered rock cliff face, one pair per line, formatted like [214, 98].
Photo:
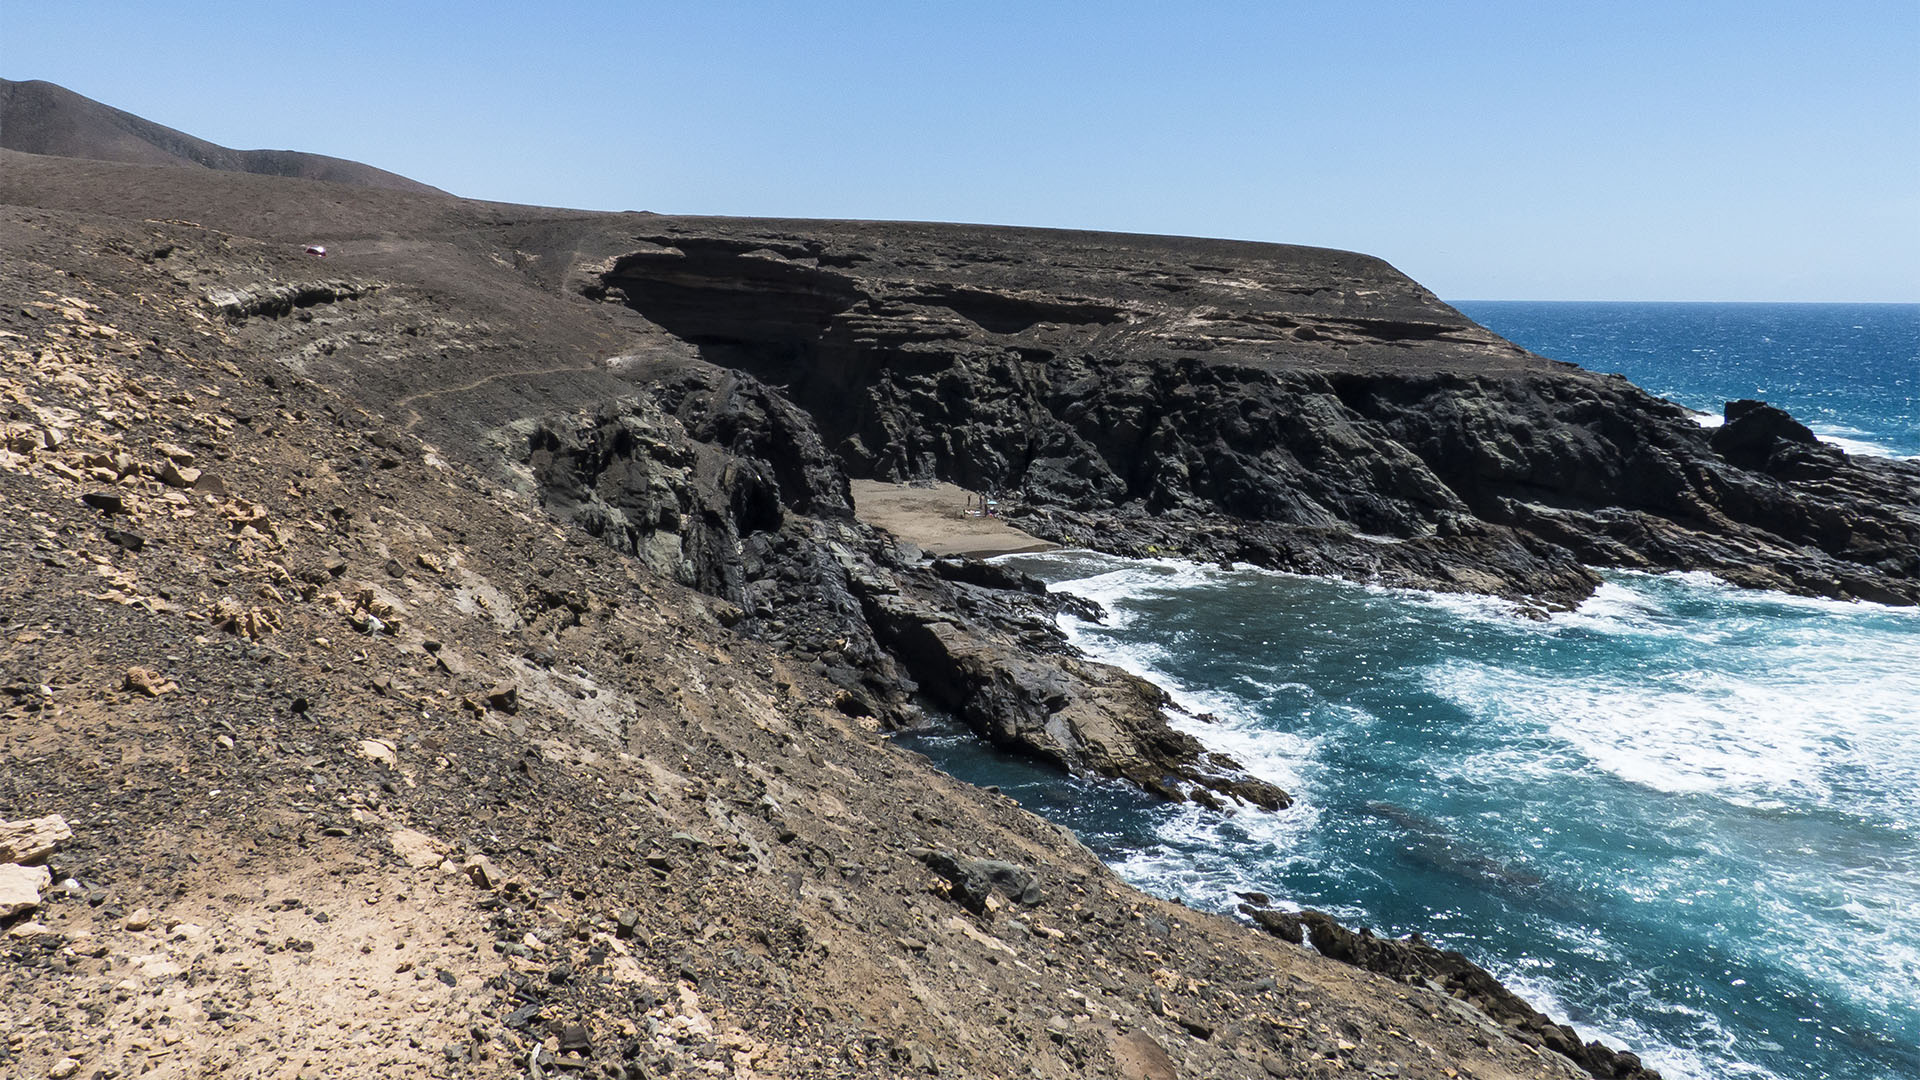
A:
[1295, 408]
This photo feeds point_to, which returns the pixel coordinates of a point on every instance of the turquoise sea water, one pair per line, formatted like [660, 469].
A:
[1685, 817]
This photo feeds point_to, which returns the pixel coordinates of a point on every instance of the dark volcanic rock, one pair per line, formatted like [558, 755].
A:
[735, 494]
[1753, 429]
[1297, 408]
[1413, 960]
[973, 880]
[670, 835]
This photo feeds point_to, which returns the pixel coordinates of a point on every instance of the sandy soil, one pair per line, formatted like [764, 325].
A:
[935, 518]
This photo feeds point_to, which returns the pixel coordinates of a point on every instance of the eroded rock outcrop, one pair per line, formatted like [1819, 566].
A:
[711, 478]
[1296, 408]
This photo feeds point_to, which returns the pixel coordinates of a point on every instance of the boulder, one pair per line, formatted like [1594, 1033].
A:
[974, 880]
[31, 840]
[20, 888]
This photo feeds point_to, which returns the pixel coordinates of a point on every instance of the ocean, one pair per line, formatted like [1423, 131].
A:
[1850, 372]
[1685, 817]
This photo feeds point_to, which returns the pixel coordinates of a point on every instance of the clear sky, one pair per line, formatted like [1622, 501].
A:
[1643, 151]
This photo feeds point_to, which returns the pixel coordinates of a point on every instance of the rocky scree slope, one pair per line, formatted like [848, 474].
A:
[368, 767]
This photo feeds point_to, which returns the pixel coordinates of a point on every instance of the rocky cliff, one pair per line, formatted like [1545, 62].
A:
[1295, 408]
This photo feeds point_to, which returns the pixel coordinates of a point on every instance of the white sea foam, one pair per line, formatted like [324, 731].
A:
[1816, 716]
[1747, 711]
[1672, 1062]
[1850, 439]
[1802, 707]
[1864, 447]
[1220, 719]
[1201, 857]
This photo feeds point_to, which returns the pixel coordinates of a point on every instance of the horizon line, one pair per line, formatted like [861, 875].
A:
[1575, 300]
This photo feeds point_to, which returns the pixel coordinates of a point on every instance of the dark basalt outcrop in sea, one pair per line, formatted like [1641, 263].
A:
[1296, 408]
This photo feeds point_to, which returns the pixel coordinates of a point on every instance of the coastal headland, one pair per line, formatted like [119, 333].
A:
[472, 652]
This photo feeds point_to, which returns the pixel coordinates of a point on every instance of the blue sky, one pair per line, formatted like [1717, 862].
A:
[1683, 151]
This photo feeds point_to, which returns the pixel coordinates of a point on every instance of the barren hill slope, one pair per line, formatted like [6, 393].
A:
[39, 117]
[374, 769]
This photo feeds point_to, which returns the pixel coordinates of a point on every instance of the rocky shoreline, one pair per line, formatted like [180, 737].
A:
[1294, 408]
[502, 584]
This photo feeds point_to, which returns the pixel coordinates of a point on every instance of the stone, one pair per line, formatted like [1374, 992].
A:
[1136, 1056]
[1284, 925]
[31, 840]
[20, 888]
[107, 502]
[975, 881]
[418, 849]
[143, 680]
[179, 476]
[64, 1068]
[504, 697]
[139, 920]
[1753, 430]
[379, 751]
[482, 872]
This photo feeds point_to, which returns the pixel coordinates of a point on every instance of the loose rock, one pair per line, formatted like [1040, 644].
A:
[20, 888]
[32, 840]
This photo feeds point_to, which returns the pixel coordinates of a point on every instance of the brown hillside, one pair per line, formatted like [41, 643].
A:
[41, 118]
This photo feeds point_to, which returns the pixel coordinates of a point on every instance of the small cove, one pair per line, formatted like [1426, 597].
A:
[1685, 817]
